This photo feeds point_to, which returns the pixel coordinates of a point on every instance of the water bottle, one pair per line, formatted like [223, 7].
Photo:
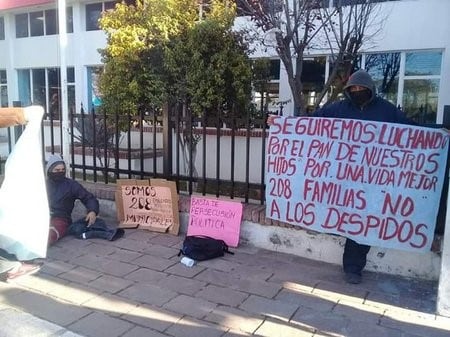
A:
[188, 262]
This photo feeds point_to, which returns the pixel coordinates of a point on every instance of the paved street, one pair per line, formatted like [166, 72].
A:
[137, 287]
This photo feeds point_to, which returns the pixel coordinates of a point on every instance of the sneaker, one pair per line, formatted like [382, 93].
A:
[118, 234]
[353, 278]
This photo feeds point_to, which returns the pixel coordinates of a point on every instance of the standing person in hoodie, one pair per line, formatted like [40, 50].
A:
[62, 193]
[361, 102]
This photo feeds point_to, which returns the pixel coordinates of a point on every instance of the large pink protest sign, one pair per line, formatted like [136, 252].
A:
[376, 183]
[215, 218]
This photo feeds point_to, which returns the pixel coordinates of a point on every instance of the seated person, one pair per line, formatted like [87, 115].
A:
[62, 193]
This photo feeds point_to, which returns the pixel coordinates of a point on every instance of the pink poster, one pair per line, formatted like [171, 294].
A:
[215, 218]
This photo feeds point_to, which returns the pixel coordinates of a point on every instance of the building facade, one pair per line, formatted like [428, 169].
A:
[408, 58]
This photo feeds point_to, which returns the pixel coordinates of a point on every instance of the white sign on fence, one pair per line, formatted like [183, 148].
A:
[376, 183]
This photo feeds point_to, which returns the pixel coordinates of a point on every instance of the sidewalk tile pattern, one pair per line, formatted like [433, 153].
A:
[136, 286]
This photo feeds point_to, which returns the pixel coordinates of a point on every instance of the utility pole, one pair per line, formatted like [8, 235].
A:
[62, 20]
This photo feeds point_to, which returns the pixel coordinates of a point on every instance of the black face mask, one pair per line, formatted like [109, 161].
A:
[56, 176]
[360, 98]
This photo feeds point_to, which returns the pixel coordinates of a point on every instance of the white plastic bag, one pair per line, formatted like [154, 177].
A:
[24, 212]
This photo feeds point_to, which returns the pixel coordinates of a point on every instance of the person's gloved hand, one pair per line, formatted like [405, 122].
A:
[270, 119]
[90, 218]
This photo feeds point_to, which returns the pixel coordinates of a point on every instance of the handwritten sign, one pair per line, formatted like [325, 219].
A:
[150, 204]
[376, 183]
[215, 218]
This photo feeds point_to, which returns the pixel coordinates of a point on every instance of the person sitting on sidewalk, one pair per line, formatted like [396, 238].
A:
[62, 194]
[10, 268]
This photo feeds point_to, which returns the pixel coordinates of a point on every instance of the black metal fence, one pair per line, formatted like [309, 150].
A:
[221, 155]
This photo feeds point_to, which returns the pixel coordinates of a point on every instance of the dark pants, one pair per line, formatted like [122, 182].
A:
[355, 257]
[98, 230]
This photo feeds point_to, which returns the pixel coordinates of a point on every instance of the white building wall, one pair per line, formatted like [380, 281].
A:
[44, 51]
[419, 25]
[409, 25]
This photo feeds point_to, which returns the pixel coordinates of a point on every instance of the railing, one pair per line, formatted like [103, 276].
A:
[222, 155]
[226, 161]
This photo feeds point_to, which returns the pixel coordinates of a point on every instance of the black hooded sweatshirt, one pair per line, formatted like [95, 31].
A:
[377, 109]
[63, 193]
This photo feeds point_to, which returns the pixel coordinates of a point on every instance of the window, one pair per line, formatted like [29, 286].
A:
[356, 2]
[37, 23]
[39, 86]
[275, 69]
[268, 6]
[51, 22]
[415, 88]
[420, 100]
[267, 87]
[2, 28]
[22, 25]
[43, 86]
[421, 85]
[94, 95]
[423, 63]
[41, 23]
[341, 76]
[385, 71]
[94, 12]
[3, 89]
[69, 20]
[313, 79]
[71, 89]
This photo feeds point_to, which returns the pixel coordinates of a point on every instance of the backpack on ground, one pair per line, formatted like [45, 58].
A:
[202, 248]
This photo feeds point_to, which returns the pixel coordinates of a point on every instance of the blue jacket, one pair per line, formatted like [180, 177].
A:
[377, 109]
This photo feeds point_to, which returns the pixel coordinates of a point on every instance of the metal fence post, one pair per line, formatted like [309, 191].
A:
[167, 142]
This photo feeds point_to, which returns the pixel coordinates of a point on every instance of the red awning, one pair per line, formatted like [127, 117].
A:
[10, 4]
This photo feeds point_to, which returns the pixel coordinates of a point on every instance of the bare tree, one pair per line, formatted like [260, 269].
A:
[346, 30]
[388, 65]
[294, 24]
[300, 26]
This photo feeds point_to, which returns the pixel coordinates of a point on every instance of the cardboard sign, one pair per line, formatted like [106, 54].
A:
[215, 218]
[150, 204]
[376, 183]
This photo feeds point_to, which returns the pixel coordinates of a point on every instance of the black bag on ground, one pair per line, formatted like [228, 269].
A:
[202, 248]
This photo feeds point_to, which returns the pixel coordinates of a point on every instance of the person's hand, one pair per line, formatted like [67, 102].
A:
[271, 119]
[90, 218]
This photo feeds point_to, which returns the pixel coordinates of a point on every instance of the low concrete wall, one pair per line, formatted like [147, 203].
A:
[265, 233]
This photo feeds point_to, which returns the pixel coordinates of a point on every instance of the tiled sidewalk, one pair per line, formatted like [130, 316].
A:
[136, 287]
